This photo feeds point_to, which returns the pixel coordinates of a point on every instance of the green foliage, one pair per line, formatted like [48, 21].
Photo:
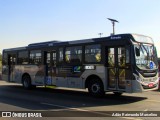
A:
[0, 57]
[0, 62]
[0, 66]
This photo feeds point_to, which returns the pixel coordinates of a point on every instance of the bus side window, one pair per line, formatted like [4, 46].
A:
[5, 59]
[111, 59]
[60, 59]
[93, 53]
[35, 57]
[54, 58]
[127, 56]
[98, 56]
[121, 56]
[73, 55]
[23, 57]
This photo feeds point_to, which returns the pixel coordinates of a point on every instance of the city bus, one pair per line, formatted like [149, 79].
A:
[122, 63]
[159, 72]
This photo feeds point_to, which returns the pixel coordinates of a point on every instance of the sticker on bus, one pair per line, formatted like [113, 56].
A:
[49, 80]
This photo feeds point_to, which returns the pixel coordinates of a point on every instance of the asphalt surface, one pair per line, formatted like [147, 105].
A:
[72, 104]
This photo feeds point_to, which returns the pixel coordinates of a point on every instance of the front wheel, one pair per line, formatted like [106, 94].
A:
[96, 88]
[26, 81]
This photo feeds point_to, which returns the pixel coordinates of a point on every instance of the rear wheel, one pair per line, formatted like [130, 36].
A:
[26, 81]
[95, 88]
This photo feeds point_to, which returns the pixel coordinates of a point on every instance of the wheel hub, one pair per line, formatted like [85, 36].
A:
[95, 88]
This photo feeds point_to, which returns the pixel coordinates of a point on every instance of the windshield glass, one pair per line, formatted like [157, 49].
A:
[145, 55]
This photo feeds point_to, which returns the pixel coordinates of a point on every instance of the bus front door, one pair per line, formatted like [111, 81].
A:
[117, 67]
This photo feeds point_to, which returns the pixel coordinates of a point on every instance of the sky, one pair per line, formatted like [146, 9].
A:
[29, 21]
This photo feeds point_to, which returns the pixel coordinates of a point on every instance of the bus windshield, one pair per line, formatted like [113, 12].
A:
[145, 55]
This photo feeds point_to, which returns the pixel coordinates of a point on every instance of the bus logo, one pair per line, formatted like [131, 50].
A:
[151, 65]
[77, 69]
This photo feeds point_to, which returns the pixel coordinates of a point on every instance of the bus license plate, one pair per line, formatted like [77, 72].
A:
[151, 85]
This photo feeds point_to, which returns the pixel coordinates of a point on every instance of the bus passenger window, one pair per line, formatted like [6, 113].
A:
[93, 53]
[60, 55]
[54, 58]
[73, 55]
[111, 58]
[121, 56]
[98, 56]
[35, 57]
[23, 57]
[127, 56]
[5, 60]
[67, 56]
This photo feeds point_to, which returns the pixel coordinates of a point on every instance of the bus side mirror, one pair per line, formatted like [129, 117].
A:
[137, 52]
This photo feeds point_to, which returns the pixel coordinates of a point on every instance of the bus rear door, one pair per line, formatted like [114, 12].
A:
[11, 67]
[50, 61]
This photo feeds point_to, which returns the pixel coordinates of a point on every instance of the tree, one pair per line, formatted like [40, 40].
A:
[0, 57]
[0, 64]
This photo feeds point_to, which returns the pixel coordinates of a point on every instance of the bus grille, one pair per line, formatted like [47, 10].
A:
[152, 73]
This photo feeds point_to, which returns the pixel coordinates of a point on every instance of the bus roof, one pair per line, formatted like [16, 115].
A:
[14, 49]
[60, 43]
[134, 37]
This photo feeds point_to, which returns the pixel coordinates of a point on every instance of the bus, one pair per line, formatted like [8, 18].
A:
[159, 72]
[122, 63]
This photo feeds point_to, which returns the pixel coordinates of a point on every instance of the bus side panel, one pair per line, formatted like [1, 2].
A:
[5, 73]
[98, 71]
[37, 73]
[17, 74]
[74, 82]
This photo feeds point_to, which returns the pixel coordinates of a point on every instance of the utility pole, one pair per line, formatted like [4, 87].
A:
[113, 24]
[100, 34]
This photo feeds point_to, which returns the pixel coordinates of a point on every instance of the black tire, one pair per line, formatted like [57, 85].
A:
[33, 86]
[117, 93]
[26, 81]
[95, 88]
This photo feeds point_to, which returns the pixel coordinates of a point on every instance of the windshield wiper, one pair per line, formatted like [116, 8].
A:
[146, 52]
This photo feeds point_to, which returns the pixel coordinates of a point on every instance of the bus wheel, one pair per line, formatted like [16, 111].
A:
[96, 88]
[118, 93]
[26, 81]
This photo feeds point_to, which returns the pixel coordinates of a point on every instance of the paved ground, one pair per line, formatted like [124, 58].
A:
[14, 98]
